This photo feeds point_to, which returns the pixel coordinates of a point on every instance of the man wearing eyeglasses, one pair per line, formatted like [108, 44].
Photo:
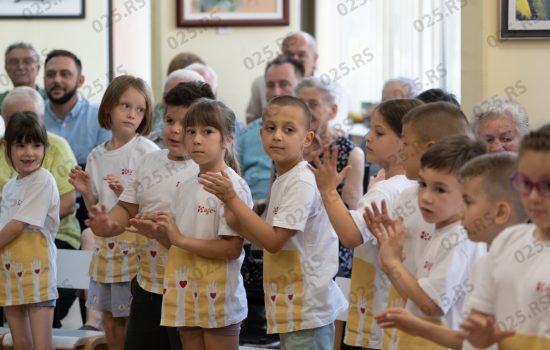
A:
[22, 65]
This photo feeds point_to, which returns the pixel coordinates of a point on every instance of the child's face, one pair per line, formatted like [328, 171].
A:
[284, 136]
[383, 145]
[205, 146]
[479, 210]
[534, 167]
[413, 149]
[321, 111]
[27, 157]
[172, 132]
[439, 197]
[127, 115]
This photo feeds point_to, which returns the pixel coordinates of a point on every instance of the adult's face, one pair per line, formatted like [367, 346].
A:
[280, 80]
[62, 79]
[297, 47]
[500, 133]
[22, 67]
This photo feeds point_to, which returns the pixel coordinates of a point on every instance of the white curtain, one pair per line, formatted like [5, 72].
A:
[418, 39]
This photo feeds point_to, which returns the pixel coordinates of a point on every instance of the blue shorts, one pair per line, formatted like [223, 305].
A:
[46, 303]
[321, 338]
[115, 298]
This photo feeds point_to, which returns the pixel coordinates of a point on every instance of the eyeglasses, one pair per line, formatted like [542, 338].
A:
[524, 186]
[27, 61]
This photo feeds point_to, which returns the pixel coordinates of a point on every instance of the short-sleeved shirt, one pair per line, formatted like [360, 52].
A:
[58, 160]
[28, 272]
[369, 285]
[114, 258]
[153, 187]
[516, 287]
[80, 128]
[199, 291]
[299, 289]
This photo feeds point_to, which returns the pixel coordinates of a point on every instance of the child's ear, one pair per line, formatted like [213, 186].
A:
[503, 213]
[310, 135]
[228, 141]
[333, 111]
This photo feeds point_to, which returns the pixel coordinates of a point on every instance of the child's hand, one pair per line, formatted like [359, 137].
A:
[219, 185]
[399, 318]
[391, 239]
[481, 331]
[100, 221]
[145, 224]
[114, 184]
[375, 179]
[167, 225]
[80, 180]
[376, 216]
[326, 176]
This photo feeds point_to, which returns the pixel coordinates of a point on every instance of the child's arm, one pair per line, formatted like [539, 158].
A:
[327, 179]
[82, 182]
[405, 321]
[353, 184]
[480, 330]
[11, 231]
[391, 239]
[112, 223]
[256, 230]
[228, 247]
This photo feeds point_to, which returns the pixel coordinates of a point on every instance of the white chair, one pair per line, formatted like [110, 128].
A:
[72, 272]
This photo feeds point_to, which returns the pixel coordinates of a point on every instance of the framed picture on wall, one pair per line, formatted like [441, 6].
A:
[526, 19]
[218, 13]
[41, 9]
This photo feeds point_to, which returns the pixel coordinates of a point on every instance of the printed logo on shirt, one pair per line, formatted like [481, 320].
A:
[125, 171]
[425, 236]
[205, 210]
[543, 287]
[275, 210]
[428, 265]
[178, 184]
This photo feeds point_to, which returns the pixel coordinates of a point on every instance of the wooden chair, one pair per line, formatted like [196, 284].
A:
[344, 284]
[72, 272]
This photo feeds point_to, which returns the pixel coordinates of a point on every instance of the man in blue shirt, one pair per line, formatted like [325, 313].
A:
[67, 113]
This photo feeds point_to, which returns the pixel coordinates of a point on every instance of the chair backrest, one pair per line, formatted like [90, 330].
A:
[72, 268]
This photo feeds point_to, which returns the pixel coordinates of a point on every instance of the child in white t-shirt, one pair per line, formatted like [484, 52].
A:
[435, 291]
[301, 248]
[126, 109]
[369, 285]
[514, 293]
[29, 219]
[490, 206]
[204, 293]
[153, 188]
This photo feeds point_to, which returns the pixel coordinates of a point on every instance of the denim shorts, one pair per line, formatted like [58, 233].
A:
[110, 297]
[46, 303]
[321, 338]
[232, 329]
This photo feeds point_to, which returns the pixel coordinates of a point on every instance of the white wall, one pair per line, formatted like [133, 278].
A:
[75, 35]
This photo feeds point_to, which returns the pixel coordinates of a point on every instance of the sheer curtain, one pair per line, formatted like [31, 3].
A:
[381, 39]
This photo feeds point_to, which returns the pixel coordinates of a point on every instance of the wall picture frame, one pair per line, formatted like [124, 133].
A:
[42, 9]
[222, 13]
[524, 19]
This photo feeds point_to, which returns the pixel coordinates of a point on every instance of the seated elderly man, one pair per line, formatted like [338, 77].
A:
[58, 160]
[400, 87]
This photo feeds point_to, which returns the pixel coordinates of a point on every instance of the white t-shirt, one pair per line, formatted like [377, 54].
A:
[298, 280]
[28, 270]
[121, 162]
[444, 274]
[369, 285]
[418, 232]
[199, 291]
[153, 187]
[516, 287]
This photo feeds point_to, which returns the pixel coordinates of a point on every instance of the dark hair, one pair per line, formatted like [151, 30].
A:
[112, 96]
[393, 111]
[299, 69]
[538, 140]
[437, 95]
[182, 60]
[208, 112]
[433, 121]
[64, 53]
[451, 153]
[283, 101]
[24, 127]
[184, 94]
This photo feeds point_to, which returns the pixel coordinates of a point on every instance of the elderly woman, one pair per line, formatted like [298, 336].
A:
[321, 100]
[501, 123]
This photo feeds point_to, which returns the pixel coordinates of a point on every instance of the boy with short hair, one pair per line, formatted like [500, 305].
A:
[301, 247]
[436, 289]
[490, 206]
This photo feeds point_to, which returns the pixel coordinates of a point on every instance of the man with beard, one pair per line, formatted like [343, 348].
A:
[22, 65]
[67, 113]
